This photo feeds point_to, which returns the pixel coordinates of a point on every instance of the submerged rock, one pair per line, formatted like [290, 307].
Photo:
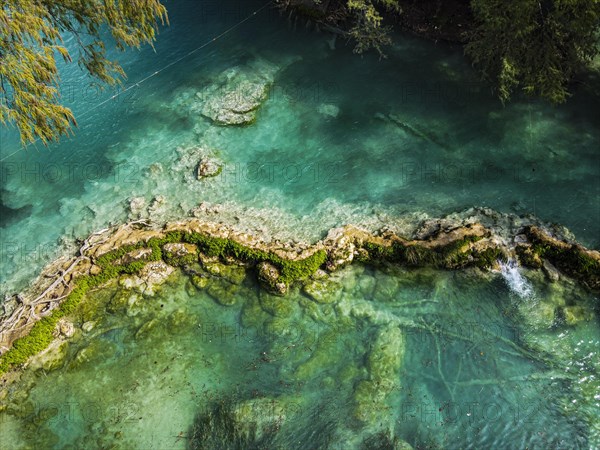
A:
[257, 417]
[323, 290]
[235, 96]
[181, 320]
[269, 275]
[136, 206]
[328, 109]
[98, 351]
[383, 363]
[88, 326]
[276, 305]
[208, 168]
[539, 315]
[551, 272]
[224, 293]
[52, 358]
[385, 440]
[235, 104]
[200, 281]
[147, 328]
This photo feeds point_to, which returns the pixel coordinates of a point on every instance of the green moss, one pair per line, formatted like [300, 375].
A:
[109, 257]
[180, 261]
[528, 257]
[488, 257]
[455, 254]
[299, 269]
[571, 259]
[379, 252]
[290, 271]
[40, 335]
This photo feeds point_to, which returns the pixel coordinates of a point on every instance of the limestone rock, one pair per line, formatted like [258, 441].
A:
[88, 326]
[156, 273]
[551, 272]
[234, 273]
[136, 205]
[323, 291]
[180, 254]
[208, 168]
[151, 276]
[234, 104]
[158, 205]
[65, 328]
[180, 249]
[235, 96]
[139, 254]
[269, 275]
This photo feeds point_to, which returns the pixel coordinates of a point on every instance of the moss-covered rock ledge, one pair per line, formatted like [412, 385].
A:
[146, 251]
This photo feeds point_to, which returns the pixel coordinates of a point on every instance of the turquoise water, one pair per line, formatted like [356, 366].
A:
[469, 366]
[414, 133]
[465, 362]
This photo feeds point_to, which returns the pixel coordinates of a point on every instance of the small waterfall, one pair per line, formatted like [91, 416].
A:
[516, 282]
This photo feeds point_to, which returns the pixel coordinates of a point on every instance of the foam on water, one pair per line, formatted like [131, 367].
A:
[515, 280]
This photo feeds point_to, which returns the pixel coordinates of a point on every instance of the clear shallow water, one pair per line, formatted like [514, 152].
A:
[414, 132]
[477, 368]
[480, 367]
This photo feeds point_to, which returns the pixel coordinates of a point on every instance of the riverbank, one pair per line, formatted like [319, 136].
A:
[146, 254]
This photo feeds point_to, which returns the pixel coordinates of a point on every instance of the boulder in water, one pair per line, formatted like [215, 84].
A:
[208, 168]
[235, 96]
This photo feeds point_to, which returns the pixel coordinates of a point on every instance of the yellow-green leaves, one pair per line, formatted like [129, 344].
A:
[30, 39]
[368, 31]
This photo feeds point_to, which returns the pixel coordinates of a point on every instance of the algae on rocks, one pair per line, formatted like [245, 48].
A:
[383, 363]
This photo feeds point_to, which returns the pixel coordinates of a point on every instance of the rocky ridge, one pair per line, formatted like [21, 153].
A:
[474, 238]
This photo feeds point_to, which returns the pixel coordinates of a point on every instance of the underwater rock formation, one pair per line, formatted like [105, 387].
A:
[236, 95]
[142, 256]
[208, 168]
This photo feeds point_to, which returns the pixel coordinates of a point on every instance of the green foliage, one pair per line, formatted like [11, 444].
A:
[534, 46]
[30, 40]
[368, 31]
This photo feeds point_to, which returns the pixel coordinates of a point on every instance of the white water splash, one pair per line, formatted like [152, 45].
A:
[516, 282]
